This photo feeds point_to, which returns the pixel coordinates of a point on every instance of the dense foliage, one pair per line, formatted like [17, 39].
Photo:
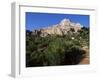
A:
[56, 50]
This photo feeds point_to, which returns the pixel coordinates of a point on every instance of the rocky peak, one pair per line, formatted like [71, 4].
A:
[65, 22]
[62, 28]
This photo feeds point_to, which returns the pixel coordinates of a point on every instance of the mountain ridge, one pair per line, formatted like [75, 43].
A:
[61, 28]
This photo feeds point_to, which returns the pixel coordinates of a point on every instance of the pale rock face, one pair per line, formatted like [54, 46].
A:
[77, 27]
[72, 24]
[62, 28]
[53, 30]
[65, 22]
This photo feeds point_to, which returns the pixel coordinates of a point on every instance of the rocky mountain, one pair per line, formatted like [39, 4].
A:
[62, 28]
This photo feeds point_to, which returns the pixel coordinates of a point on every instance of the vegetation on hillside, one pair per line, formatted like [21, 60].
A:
[54, 50]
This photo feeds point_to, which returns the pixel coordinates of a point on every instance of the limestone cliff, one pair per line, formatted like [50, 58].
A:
[61, 29]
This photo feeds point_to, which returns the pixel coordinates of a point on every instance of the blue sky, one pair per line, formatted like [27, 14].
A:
[40, 20]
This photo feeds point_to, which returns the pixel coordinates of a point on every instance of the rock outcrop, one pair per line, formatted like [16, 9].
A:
[61, 29]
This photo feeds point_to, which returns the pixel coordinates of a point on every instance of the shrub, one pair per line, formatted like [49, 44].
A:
[53, 50]
[74, 55]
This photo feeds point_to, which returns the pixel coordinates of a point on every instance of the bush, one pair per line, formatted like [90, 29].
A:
[53, 50]
[74, 55]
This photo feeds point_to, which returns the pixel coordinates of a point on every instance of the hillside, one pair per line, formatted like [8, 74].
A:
[60, 44]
